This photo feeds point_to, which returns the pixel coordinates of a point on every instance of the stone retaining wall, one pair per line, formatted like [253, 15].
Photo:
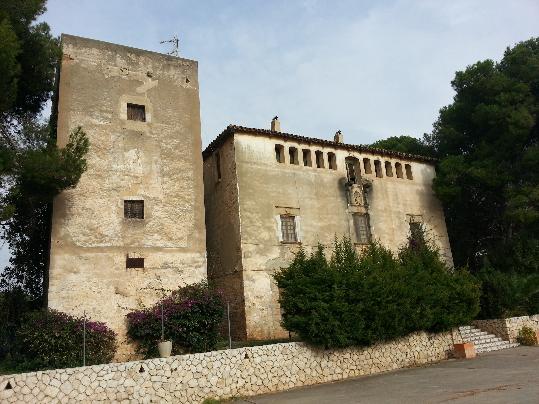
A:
[508, 328]
[219, 374]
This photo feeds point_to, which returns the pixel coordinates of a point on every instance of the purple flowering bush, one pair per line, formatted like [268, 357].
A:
[192, 318]
[50, 339]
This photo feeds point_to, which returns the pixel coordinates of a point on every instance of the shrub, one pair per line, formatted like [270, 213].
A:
[360, 300]
[527, 336]
[14, 304]
[192, 317]
[49, 339]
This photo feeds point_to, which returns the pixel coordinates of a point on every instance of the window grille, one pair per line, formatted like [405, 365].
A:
[362, 229]
[136, 112]
[134, 209]
[288, 229]
[131, 262]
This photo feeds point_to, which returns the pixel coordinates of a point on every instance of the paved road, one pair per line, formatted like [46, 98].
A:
[507, 376]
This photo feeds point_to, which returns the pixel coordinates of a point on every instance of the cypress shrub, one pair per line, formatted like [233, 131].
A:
[362, 299]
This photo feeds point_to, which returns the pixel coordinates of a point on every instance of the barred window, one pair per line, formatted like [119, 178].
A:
[134, 209]
[131, 262]
[136, 112]
[362, 229]
[288, 229]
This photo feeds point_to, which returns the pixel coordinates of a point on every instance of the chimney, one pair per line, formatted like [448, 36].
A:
[275, 124]
[338, 138]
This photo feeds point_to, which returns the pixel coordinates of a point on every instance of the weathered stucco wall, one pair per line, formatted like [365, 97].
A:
[318, 196]
[158, 161]
[220, 374]
[223, 241]
[508, 328]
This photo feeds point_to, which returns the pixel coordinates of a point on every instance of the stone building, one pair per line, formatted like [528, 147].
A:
[267, 192]
[135, 222]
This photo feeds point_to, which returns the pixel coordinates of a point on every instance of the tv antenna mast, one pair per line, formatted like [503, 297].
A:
[175, 46]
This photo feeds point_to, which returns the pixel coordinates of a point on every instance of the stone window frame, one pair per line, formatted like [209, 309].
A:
[332, 161]
[319, 157]
[378, 169]
[306, 155]
[398, 170]
[388, 168]
[132, 211]
[408, 170]
[367, 167]
[137, 100]
[279, 153]
[293, 157]
[283, 211]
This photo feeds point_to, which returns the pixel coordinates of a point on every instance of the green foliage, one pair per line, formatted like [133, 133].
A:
[41, 175]
[527, 336]
[48, 339]
[32, 169]
[14, 304]
[361, 300]
[405, 144]
[488, 175]
[507, 294]
[192, 317]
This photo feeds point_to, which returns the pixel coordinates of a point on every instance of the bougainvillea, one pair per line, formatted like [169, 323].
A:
[192, 316]
[50, 339]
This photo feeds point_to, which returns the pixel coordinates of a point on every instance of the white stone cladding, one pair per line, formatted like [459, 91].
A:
[219, 374]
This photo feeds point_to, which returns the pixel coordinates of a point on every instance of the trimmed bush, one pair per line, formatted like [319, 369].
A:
[50, 339]
[192, 318]
[527, 336]
[361, 300]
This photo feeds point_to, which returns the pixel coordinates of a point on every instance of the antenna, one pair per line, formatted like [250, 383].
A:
[175, 46]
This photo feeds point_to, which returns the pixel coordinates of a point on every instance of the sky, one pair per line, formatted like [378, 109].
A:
[371, 69]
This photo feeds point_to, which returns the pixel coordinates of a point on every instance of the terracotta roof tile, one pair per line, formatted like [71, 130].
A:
[232, 129]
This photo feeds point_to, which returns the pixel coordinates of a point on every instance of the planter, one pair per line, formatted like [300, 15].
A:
[165, 348]
[465, 350]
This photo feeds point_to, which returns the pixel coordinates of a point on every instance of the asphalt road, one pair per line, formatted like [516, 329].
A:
[506, 376]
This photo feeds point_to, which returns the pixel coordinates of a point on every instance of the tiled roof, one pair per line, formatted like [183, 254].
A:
[231, 129]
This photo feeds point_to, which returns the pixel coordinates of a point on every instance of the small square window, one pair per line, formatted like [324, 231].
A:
[288, 229]
[136, 112]
[134, 209]
[131, 262]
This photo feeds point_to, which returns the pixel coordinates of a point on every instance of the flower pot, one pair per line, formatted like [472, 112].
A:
[165, 348]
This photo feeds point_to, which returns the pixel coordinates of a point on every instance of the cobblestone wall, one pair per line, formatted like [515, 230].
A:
[219, 374]
[508, 328]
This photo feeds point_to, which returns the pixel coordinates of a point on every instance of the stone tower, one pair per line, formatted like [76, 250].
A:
[135, 221]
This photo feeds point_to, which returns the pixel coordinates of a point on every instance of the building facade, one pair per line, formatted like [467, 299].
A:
[267, 193]
[134, 224]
